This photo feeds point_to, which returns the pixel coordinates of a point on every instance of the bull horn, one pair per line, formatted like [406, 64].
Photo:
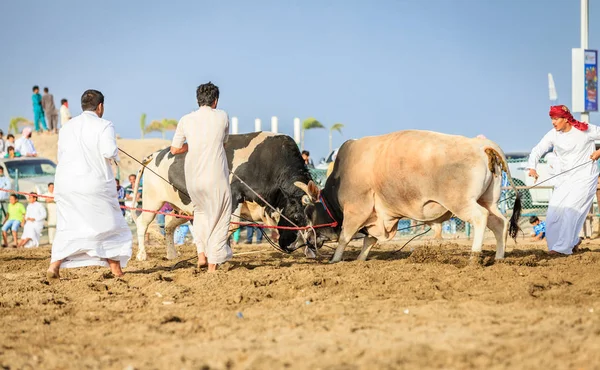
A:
[302, 187]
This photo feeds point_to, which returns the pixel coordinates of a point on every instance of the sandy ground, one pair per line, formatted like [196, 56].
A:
[427, 308]
[430, 308]
[46, 146]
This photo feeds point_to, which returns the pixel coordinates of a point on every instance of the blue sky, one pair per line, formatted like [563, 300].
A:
[456, 66]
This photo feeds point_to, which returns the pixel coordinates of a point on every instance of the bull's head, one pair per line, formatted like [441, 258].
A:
[315, 214]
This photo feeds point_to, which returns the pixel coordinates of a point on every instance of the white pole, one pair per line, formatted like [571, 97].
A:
[297, 130]
[257, 125]
[585, 116]
[274, 124]
[234, 125]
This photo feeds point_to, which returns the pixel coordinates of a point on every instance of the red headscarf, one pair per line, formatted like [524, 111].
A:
[561, 111]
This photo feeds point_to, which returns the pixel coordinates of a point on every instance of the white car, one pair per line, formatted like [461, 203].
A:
[34, 173]
[324, 164]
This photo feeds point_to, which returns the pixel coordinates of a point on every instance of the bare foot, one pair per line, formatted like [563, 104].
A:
[115, 268]
[212, 267]
[53, 270]
[202, 261]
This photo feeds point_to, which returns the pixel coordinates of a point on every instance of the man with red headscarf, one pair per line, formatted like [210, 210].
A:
[574, 190]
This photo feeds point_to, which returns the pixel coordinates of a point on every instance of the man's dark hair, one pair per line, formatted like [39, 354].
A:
[9, 136]
[207, 94]
[34, 195]
[45, 89]
[1, 133]
[133, 174]
[50, 183]
[14, 195]
[91, 99]
[63, 101]
[306, 152]
[36, 87]
[10, 148]
[533, 219]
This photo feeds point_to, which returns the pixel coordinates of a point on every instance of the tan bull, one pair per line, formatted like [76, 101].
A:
[422, 175]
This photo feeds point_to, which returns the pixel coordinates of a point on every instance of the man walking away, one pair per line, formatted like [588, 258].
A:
[38, 111]
[90, 229]
[50, 110]
[207, 175]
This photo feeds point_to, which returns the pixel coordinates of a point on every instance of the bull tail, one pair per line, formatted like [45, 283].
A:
[134, 188]
[497, 160]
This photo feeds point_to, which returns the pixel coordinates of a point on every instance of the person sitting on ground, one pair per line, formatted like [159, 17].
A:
[34, 223]
[12, 153]
[539, 228]
[16, 217]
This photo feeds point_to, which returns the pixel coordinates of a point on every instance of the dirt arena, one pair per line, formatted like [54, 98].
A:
[427, 309]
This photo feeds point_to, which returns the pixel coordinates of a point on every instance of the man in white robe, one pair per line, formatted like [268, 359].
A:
[573, 144]
[34, 223]
[207, 175]
[24, 145]
[90, 229]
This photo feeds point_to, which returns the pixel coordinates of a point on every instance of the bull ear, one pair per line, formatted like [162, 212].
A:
[313, 191]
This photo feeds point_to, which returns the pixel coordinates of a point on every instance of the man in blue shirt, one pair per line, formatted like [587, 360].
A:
[38, 111]
[539, 228]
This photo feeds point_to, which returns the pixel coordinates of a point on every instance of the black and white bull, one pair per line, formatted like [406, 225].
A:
[270, 164]
[422, 175]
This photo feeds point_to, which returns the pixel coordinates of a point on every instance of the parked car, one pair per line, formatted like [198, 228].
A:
[324, 163]
[34, 173]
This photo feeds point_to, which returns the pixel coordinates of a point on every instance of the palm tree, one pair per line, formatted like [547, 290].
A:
[309, 124]
[155, 126]
[16, 122]
[162, 126]
[143, 124]
[335, 127]
[169, 124]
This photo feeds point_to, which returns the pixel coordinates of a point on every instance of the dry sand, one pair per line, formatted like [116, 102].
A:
[431, 308]
[427, 309]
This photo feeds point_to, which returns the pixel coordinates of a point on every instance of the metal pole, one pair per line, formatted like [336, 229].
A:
[585, 116]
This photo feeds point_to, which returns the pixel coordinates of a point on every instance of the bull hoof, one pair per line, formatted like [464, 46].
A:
[141, 256]
[500, 256]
